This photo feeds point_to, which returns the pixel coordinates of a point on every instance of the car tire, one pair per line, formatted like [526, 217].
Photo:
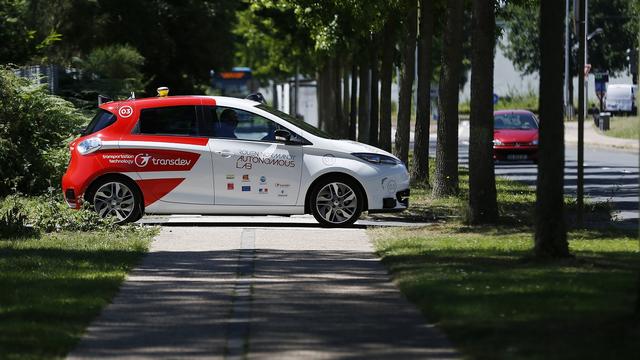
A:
[115, 196]
[336, 202]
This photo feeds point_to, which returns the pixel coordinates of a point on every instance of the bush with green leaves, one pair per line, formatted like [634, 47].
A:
[14, 221]
[22, 215]
[35, 128]
[114, 71]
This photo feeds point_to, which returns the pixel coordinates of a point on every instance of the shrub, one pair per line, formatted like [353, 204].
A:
[34, 130]
[14, 221]
[113, 70]
[49, 213]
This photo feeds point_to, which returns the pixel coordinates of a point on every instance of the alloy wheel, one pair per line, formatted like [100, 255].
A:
[336, 203]
[114, 199]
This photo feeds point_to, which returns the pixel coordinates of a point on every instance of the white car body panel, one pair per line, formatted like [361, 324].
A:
[206, 188]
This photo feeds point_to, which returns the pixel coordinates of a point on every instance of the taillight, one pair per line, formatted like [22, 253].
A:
[89, 145]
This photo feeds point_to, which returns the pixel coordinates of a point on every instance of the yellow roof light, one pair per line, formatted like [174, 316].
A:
[163, 91]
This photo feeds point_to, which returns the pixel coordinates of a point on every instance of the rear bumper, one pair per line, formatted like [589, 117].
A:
[515, 153]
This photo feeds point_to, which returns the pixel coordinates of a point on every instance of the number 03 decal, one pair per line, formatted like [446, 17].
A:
[125, 111]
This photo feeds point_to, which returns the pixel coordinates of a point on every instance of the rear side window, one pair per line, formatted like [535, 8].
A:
[102, 119]
[172, 120]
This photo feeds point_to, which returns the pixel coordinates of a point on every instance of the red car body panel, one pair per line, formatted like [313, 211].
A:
[515, 144]
[117, 159]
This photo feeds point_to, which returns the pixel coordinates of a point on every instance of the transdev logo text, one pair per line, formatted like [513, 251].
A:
[143, 160]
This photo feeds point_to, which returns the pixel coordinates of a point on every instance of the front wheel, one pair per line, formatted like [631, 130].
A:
[117, 198]
[336, 203]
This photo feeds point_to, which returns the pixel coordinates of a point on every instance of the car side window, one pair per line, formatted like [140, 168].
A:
[239, 124]
[171, 120]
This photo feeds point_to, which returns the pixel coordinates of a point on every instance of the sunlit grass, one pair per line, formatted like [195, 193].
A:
[624, 127]
[53, 286]
[481, 286]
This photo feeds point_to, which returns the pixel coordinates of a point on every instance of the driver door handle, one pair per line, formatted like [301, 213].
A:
[224, 153]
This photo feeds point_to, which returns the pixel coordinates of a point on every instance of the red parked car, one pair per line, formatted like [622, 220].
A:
[515, 136]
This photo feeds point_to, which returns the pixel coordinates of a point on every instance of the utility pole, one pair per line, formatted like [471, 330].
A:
[582, 37]
[567, 75]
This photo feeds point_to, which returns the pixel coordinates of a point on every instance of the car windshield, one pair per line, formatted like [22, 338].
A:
[515, 121]
[297, 122]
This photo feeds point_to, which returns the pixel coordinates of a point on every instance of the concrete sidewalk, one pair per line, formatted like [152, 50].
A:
[261, 293]
[593, 138]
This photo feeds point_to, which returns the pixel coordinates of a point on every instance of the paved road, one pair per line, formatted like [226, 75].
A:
[261, 293]
[610, 176]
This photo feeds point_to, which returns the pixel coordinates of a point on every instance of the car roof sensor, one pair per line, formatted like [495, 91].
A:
[256, 97]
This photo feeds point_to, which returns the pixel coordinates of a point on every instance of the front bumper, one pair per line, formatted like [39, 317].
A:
[387, 189]
[397, 204]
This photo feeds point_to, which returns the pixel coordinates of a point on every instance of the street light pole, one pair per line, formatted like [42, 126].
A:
[582, 51]
[567, 75]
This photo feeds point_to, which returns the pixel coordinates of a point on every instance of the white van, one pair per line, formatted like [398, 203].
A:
[621, 99]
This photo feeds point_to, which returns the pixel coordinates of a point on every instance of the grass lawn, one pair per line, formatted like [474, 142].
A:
[494, 301]
[624, 127]
[515, 202]
[54, 285]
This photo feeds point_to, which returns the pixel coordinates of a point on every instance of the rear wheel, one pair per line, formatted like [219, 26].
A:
[117, 198]
[336, 203]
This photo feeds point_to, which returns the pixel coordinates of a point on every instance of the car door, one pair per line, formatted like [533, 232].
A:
[172, 160]
[249, 166]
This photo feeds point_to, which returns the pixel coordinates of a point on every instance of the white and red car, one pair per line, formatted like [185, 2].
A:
[219, 155]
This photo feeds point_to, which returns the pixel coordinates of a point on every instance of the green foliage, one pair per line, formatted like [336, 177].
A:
[606, 51]
[115, 62]
[14, 221]
[16, 37]
[34, 130]
[49, 213]
[114, 71]
[275, 37]
[20, 41]
[271, 41]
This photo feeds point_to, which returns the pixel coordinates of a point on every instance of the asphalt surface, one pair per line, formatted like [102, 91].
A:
[611, 175]
[261, 293]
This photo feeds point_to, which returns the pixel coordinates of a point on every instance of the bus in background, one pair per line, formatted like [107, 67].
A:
[235, 83]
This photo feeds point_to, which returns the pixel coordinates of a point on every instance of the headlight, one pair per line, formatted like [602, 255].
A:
[377, 158]
[534, 142]
[89, 145]
[497, 142]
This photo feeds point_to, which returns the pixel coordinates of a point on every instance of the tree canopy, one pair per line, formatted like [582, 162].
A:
[606, 51]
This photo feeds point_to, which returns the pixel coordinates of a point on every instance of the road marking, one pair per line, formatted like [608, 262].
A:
[239, 321]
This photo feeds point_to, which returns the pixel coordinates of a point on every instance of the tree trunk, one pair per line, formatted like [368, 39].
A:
[420, 166]
[320, 98]
[483, 206]
[326, 96]
[386, 78]
[446, 174]
[344, 132]
[374, 115]
[274, 90]
[550, 233]
[336, 79]
[363, 103]
[407, 73]
[353, 114]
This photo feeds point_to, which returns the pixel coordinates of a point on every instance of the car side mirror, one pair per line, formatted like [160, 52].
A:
[282, 135]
